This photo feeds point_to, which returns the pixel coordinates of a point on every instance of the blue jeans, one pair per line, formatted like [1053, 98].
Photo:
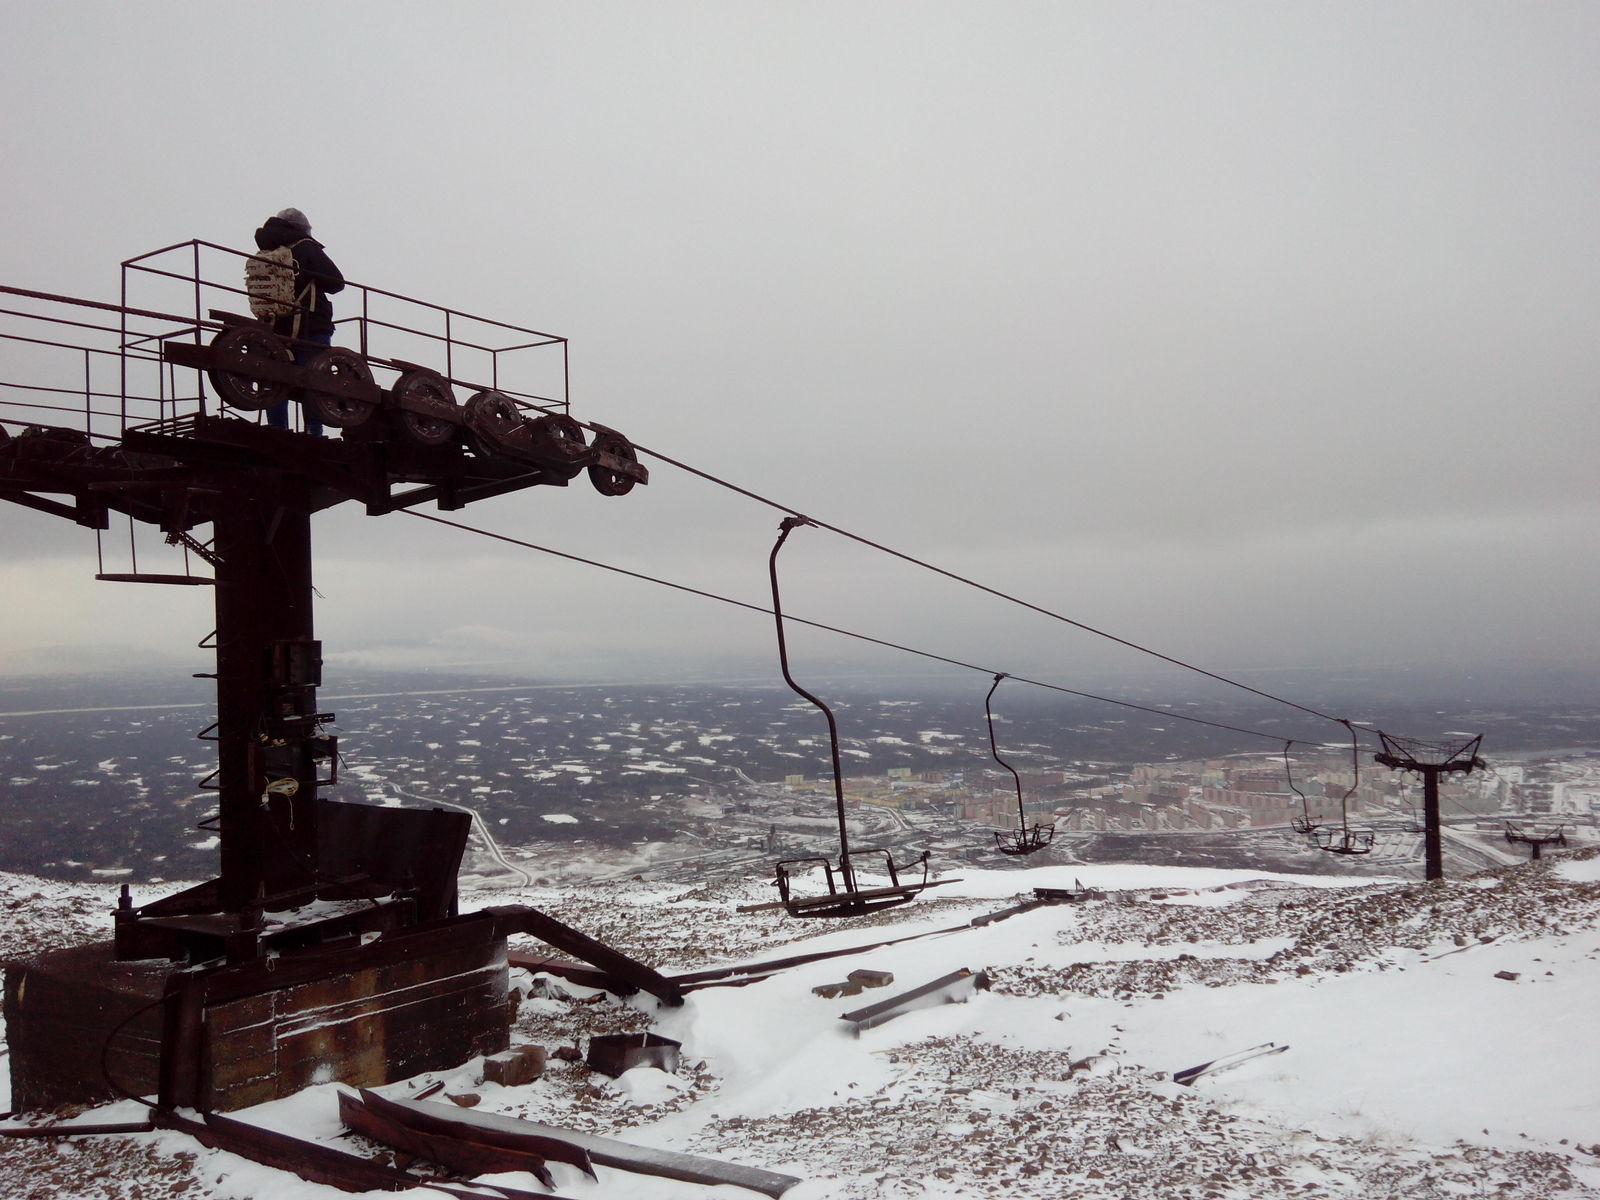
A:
[307, 348]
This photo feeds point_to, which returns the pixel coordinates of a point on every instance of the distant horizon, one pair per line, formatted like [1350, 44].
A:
[1419, 701]
[77, 660]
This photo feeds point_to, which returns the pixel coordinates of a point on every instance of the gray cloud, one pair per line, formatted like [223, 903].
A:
[1257, 333]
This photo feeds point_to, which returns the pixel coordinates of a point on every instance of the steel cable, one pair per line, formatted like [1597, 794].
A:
[1165, 714]
[982, 587]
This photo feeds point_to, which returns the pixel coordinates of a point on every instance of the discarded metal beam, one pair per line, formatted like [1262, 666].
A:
[1226, 1062]
[518, 918]
[1047, 895]
[1011, 911]
[607, 1152]
[954, 988]
[316, 1163]
[63, 1129]
[394, 1115]
[746, 973]
[459, 1155]
[563, 968]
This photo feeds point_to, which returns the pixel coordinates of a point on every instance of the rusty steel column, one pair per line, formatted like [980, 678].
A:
[267, 671]
[1433, 839]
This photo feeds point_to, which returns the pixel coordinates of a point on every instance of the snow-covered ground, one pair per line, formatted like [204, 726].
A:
[1437, 1040]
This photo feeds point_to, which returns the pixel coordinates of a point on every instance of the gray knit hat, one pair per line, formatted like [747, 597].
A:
[295, 217]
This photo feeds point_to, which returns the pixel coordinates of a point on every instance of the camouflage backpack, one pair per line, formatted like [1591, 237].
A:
[269, 281]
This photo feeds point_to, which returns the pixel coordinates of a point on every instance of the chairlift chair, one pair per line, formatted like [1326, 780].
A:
[851, 900]
[1303, 824]
[1344, 839]
[845, 896]
[1025, 839]
[1409, 815]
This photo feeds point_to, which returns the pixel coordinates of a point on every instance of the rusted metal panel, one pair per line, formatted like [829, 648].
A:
[416, 848]
[182, 1012]
[239, 1034]
[613, 1053]
[460, 1156]
[405, 1003]
[61, 1009]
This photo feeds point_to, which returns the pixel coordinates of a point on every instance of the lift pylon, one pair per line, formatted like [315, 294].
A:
[1430, 760]
[345, 910]
[1534, 838]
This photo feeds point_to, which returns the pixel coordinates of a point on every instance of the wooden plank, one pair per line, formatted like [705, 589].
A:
[239, 1016]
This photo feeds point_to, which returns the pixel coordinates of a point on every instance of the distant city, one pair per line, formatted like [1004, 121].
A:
[107, 779]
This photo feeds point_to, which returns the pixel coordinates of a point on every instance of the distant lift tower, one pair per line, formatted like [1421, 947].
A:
[318, 905]
[1430, 760]
[1535, 839]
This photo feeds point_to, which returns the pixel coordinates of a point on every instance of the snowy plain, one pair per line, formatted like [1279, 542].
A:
[1437, 1043]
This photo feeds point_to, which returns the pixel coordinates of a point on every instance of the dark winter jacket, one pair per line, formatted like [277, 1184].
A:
[313, 266]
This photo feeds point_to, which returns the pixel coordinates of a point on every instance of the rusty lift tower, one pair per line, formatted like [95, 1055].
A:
[1430, 761]
[316, 902]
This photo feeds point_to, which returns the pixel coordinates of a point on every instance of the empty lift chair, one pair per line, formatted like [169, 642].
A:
[844, 895]
[1024, 839]
[1342, 839]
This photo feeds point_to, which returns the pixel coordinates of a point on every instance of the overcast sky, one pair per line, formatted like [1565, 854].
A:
[1264, 333]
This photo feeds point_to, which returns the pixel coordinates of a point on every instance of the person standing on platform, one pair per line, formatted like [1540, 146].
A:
[308, 319]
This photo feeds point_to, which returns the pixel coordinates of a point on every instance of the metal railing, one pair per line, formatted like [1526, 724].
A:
[97, 367]
[388, 328]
